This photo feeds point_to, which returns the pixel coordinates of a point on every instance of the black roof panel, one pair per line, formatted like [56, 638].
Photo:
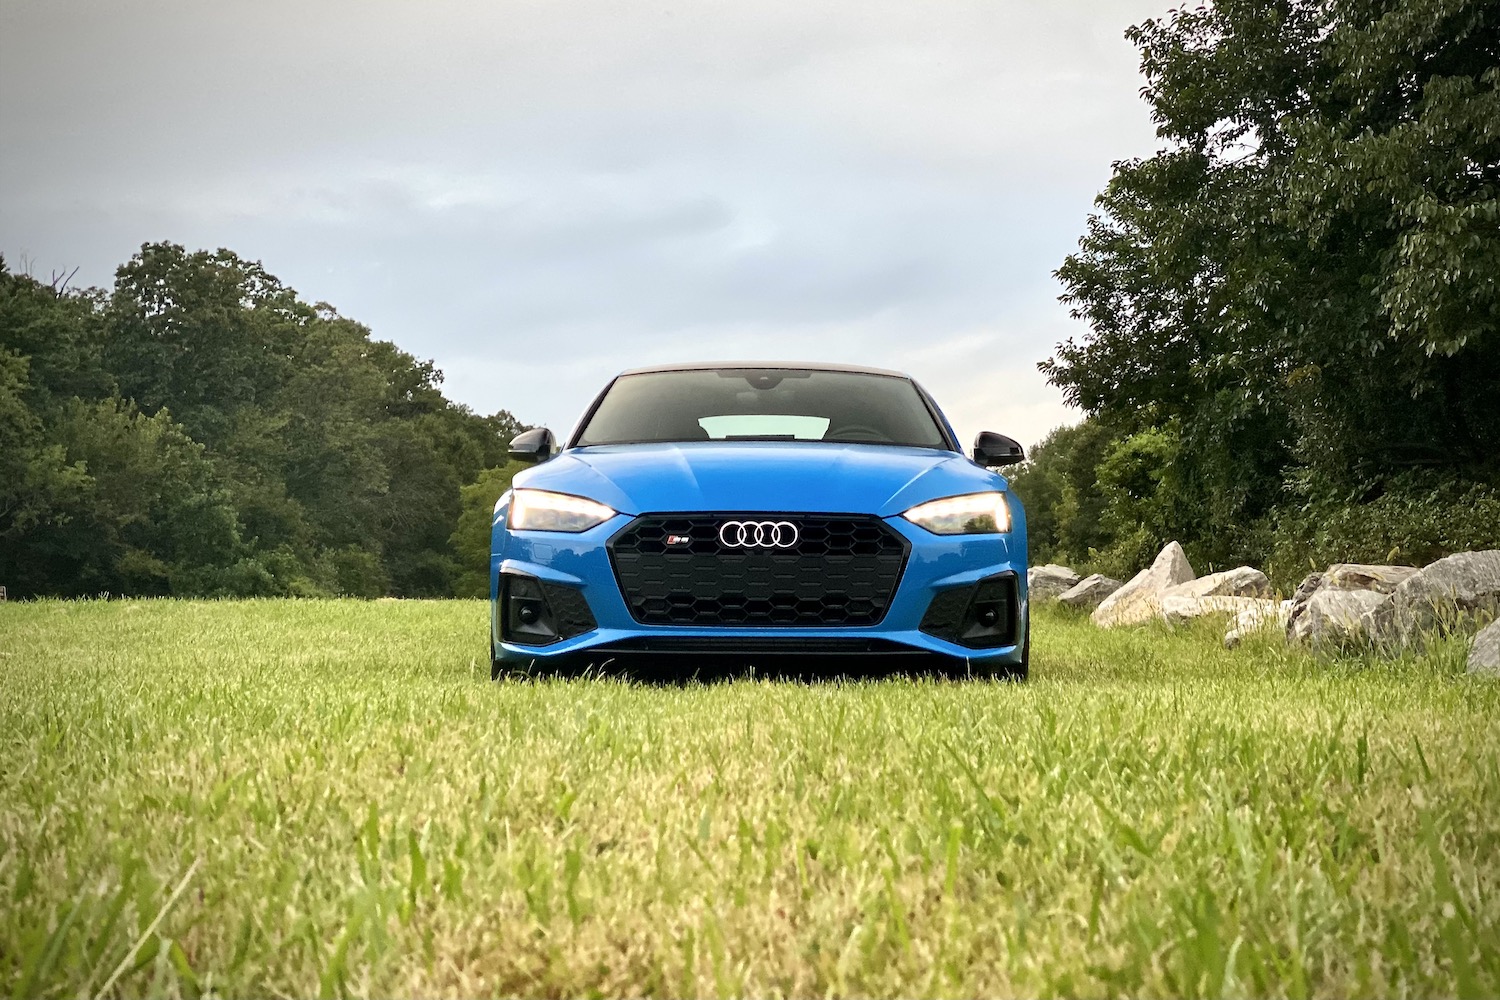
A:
[815, 366]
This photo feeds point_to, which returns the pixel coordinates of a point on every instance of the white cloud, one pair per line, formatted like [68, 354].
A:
[537, 194]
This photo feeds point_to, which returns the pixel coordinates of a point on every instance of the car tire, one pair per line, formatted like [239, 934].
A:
[1022, 671]
[1017, 672]
[531, 669]
[503, 669]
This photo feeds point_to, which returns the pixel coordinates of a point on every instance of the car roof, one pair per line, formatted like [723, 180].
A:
[814, 366]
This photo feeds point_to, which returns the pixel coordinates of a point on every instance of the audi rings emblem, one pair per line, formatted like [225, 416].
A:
[758, 534]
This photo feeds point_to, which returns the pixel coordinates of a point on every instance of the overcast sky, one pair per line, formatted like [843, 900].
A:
[538, 194]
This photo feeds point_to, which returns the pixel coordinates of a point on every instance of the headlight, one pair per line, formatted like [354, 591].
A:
[971, 514]
[539, 510]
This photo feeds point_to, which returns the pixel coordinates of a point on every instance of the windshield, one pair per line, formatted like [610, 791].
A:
[763, 404]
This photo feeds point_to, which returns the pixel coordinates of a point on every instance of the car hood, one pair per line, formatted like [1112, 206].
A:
[760, 475]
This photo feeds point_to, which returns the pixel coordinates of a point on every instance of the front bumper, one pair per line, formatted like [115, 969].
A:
[936, 565]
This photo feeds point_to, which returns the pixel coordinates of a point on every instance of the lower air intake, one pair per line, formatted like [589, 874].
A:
[980, 616]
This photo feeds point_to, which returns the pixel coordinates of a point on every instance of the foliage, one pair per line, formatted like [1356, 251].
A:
[1102, 503]
[1420, 518]
[351, 807]
[1058, 485]
[471, 539]
[1299, 287]
[146, 516]
[201, 430]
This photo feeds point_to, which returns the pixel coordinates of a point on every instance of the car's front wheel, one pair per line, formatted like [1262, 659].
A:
[1019, 671]
[1023, 669]
[530, 668]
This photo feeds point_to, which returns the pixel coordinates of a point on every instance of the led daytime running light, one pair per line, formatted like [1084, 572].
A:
[540, 510]
[970, 514]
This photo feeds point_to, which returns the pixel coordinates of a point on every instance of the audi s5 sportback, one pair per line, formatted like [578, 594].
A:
[755, 510]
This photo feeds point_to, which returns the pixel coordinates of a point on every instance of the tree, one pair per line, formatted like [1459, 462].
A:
[1302, 279]
[204, 334]
[134, 508]
[60, 333]
[471, 538]
[202, 430]
[38, 486]
[1058, 485]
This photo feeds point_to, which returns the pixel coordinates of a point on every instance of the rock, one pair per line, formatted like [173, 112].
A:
[1243, 582]
[1379, 624]
[1089, 591]
[1139, 601]
[1350, 577]
[1044, 583]
[1274, 614]
[1484, 655]
[1359, 576]
[1336, 617]
[1452, 594]
[1180, 608]
[1308, 587]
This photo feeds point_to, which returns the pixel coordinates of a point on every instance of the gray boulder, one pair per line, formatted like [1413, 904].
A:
[1455, 594]
[1484, 655]
[1361, 576]
[1044, 583]
[1350, 577]
[1139, 600]
[1261, 617]
[1308, 587]
[1245, 581]
[1089, 591]
[1336, 617]
[1177, 609]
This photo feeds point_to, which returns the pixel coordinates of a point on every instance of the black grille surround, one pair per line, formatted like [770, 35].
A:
[843, 570]
[980, 616]
[557, 612]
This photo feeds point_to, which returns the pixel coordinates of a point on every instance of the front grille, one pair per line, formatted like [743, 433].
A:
[674, 570]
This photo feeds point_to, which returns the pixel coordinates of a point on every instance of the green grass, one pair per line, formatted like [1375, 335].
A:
[330, 797]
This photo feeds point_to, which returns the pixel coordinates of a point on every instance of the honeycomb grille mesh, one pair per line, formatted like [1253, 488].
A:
[945, 615]
[842, 570]
[570, 610]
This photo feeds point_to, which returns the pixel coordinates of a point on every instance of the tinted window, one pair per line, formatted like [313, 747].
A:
[770, 404]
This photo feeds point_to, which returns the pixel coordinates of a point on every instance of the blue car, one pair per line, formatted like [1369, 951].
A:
[755, 512]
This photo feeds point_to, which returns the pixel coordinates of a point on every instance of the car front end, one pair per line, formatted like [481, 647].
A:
[760, 546]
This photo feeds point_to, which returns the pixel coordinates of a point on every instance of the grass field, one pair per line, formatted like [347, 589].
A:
[300, 798]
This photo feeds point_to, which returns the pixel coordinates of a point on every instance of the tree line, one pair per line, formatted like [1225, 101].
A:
[200, 430]
[1292, 353]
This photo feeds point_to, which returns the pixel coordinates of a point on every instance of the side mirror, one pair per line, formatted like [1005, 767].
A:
[535, 445]
[992, 449]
